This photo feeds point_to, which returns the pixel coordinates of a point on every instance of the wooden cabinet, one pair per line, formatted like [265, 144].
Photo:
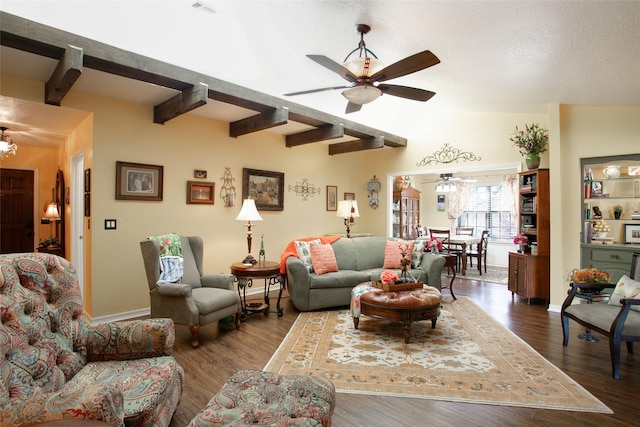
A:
[533, 213]
[529, 273]
[529, 276]
[406, 213]
[614, 259]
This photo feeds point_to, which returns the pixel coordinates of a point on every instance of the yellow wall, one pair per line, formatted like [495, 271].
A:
[581, 132]
[125, 132]
[122, 131]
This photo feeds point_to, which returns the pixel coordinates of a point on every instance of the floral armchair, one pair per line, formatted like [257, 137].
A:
[54, 365]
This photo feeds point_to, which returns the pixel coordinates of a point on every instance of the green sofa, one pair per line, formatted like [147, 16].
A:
[359, 260]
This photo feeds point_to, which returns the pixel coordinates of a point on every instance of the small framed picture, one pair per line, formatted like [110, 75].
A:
[332, 197]
[200, 174]
[87, 204]
[596, 187]
[200, 193]
[632, 233]
[349, 196]
[87, 180]
[137, 181]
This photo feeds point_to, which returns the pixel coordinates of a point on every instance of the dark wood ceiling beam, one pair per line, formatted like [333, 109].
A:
[64, 76]
[36, 38]
[357, 145]
[187, 100]
[322, 133]
[262, 121]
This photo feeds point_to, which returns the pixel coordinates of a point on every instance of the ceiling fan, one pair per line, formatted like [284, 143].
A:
[447, 178]
[366, 73]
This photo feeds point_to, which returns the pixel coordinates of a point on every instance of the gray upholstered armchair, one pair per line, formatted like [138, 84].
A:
[198, 299]
[619, 320]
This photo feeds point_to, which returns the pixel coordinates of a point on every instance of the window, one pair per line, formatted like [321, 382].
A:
[489, 207]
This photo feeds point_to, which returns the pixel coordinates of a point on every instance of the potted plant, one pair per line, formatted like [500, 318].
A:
[531, 141]
[617, 211]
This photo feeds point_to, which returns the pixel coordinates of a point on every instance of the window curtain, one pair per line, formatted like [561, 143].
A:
[457, 201]
[512, 183]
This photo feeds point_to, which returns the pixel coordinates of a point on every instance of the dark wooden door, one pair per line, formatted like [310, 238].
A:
[16, 211]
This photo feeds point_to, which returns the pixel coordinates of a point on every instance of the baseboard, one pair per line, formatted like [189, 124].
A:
[119, 317]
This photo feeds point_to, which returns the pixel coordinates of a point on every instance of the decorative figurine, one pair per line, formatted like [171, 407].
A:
[596, 213]
[261, 254]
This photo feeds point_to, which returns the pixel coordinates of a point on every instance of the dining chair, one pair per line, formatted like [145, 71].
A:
[464, 231]
[480, 252]
[420, 231]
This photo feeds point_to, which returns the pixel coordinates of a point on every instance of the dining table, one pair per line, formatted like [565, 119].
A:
[462, 241]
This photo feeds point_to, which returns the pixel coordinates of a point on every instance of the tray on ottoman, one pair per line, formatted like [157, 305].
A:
[397, 286]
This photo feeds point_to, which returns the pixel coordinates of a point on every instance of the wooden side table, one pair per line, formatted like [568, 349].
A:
[245, 274]
[55, 250]
[450, 261]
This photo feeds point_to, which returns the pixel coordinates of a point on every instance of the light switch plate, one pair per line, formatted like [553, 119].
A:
[109, 224]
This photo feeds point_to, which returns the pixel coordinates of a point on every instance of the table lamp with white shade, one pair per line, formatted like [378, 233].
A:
[249, 213]
[348, 209]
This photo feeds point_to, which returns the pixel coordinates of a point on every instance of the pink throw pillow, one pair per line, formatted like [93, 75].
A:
[393, 256]
[323, 259]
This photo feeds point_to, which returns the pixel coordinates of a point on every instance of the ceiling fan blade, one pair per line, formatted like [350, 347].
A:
[407, 92]
[409, 65]
[304, 92]
[352, 108]
[335, 67]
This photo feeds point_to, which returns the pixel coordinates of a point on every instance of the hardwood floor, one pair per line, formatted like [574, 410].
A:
[224, 350]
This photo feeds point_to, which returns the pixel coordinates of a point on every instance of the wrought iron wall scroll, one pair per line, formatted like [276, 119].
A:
[304, 189]
[448, 154]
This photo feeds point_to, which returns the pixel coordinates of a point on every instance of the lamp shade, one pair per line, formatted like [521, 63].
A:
[52, 212]
[249, 212]
[362, 94]
[347, 209]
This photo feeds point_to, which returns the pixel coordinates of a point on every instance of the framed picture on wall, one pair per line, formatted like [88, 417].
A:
[332, 197]
[265, 187]
[632, 233]
[87, 180]
[349, 196]
[137, 181]
[200, 193]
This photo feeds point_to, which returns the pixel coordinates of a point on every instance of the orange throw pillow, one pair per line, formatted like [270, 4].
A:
[393, 256]
[323, 259]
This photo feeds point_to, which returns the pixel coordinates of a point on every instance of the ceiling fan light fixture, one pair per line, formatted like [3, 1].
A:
[364, 66]
[362, 94]
[7, 146]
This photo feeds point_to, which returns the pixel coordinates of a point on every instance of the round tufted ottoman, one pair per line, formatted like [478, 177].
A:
[418, 304]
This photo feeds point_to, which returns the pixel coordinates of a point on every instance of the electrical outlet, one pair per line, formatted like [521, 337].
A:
[109, 224]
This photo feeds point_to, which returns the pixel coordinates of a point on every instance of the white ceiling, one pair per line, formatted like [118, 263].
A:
[497, 56]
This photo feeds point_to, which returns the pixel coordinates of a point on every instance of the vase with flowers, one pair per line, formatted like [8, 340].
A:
[434, 245]
[389, 277]
[531, 142]
[522, 241]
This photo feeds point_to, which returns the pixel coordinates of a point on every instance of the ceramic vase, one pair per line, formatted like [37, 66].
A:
[533, 161]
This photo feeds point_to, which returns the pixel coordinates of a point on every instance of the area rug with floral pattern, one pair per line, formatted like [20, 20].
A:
[469, 357]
